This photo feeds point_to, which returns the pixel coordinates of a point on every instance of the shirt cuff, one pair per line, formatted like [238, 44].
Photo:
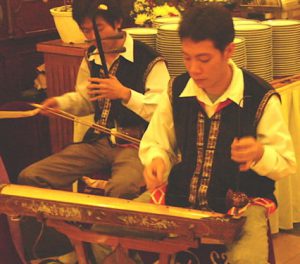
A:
[136, 99]
[266, 164]
[156, 153]
[63, 103]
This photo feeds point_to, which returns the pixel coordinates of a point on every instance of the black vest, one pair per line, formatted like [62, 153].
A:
[223, 171]
[132, 75]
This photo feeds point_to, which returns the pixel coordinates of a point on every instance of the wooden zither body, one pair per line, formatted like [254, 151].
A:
[169, 222]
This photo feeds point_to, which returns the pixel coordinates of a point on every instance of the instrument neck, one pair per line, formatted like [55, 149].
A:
[112, 57]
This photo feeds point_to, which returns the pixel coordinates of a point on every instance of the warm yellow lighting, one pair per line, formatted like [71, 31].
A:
[102, 7]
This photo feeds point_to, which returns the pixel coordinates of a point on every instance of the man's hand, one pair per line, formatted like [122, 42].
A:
[52, 103]
[109, 88]
[153, 173]
[246, 150]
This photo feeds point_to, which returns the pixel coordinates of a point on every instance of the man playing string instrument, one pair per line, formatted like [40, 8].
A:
[218, 130]
[127, 99]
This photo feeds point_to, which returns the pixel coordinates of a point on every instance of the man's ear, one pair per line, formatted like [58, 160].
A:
[229, 50]
[118, 24]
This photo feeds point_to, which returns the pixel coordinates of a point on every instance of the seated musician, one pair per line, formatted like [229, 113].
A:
[126, 99]
[219, 129]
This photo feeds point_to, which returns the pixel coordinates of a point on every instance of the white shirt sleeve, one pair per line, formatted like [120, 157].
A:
[78, 102]
[159, 139]
[156, 82]
[278, 160]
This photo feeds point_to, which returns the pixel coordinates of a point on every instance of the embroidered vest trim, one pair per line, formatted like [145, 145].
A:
[150, 67]
[208, 157]
[262, 106]
[105, 104]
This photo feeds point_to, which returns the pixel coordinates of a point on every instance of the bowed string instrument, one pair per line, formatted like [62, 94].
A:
[101, 52]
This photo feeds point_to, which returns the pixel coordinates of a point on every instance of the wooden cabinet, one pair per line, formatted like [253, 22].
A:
[62, 63]
[20, 18]
[18, 62]
[23, 23]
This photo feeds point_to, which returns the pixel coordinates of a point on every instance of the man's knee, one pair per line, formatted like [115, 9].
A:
[126, 190]
[252, 247]
[25, 176]
[30, 176]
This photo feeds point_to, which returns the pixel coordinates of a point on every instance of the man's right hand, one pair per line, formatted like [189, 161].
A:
[52, 103]
[153, 173]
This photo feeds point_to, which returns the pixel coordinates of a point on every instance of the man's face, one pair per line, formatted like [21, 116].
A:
[104, 28]
[206, 64]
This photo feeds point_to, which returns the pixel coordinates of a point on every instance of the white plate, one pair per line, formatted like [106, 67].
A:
[281, 22]
[169, 27]
[251, 27]
[167, 20]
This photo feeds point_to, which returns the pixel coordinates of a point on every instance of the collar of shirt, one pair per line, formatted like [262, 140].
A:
[127, 54]
[234, 92]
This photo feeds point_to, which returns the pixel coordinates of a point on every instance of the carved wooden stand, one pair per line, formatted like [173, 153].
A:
[165, 247]
[120, 223]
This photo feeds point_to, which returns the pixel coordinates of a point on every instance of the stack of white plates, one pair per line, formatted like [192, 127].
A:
[239, 55]
[169, 46]
[286, 46]
[245, 22]
[258, 48]
[146, 35]
[238, 18]
[159, 21]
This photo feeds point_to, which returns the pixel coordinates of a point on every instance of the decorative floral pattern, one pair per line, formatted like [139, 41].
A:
[145, 11]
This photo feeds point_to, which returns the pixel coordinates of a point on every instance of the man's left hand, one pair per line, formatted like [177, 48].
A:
[246, 151]
[109, 88]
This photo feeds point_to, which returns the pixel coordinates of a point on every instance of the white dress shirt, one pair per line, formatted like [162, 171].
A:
[278, 160]
[78, 102]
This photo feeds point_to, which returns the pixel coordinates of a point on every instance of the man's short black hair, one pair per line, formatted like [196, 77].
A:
[111, 10]
[208, 22]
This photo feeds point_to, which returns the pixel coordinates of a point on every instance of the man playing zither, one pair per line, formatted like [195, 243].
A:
[215, 121]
